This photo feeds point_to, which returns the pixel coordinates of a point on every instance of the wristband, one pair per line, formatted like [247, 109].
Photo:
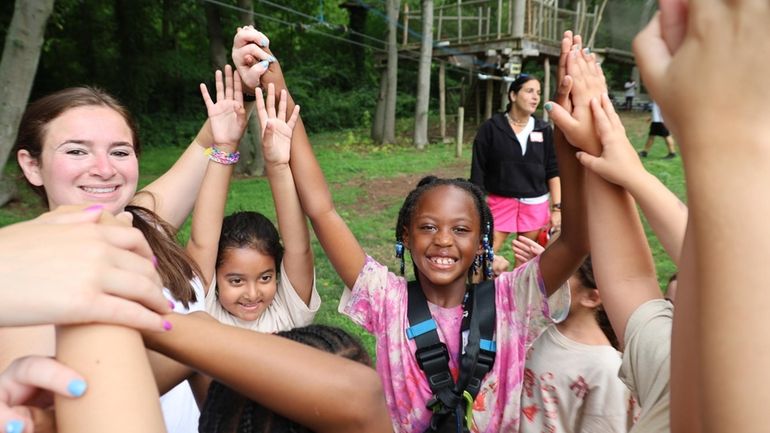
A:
[556, 207]
[220, 157]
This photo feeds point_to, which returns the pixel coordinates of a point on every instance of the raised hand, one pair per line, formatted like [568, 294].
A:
[86, 272]
[29, 381]
[685, 78]
[525, 249]
[251, 56]
[564, 81]
[276, 130]
[587, 83]
[227, 115]
[618, 163]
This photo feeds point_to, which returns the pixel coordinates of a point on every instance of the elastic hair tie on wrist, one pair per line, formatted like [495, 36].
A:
[221, 157]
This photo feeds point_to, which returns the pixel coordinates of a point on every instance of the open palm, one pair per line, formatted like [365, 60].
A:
[276, 131]
[227, 115]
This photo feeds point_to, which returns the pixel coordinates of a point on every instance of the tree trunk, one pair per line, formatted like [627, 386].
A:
[251, 162]
[378, 125]
[389, 131]
[423, 77]
[18, 66]
[217, 52]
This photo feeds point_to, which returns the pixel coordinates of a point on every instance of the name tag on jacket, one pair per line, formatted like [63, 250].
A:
[536, 136]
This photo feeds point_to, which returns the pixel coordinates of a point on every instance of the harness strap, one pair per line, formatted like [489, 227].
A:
[433, 358]
[480, 351]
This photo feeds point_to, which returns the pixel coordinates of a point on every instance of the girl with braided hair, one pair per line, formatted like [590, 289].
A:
[227, 411]
[446, 226]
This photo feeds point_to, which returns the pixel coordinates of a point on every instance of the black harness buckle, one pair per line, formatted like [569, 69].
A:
[433, 361]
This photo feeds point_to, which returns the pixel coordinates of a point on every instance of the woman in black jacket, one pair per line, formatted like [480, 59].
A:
[514, 162]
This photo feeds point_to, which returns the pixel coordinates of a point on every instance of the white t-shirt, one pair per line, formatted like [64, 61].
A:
[573, 387]
[287, 311]
[646, 367]
[180, 411]
[656, 116]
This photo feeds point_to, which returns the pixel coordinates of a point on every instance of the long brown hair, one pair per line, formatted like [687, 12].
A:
[175, 267]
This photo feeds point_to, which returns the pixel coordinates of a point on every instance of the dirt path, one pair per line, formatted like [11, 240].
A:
[382, 193]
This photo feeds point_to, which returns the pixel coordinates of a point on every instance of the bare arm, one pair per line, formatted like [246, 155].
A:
[341, 246]
[667, 215]
[622, 259]
[121, 395]
[172, 195]
[562, 258]
[726, 170]
[276, 144]
[228, 119]
[294, 380]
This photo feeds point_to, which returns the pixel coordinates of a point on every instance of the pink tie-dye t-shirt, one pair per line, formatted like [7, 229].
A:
[378, 302]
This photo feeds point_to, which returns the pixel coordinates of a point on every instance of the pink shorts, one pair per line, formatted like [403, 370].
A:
[512, 216]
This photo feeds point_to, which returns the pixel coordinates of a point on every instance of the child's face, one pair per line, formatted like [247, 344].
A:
[443, 236]
[246, 282]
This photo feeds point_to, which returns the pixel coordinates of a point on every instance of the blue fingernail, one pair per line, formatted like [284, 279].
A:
[264, 64]
[264, 42]
[548, 106]
[587, 50]
[271, 59]
[77, 387]
[14, 426]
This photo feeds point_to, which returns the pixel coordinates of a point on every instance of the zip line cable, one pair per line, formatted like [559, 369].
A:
[315, 30]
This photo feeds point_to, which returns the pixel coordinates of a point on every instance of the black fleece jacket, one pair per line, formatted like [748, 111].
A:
[499, 167]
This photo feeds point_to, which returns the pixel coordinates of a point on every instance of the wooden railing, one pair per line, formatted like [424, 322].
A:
[475, 21]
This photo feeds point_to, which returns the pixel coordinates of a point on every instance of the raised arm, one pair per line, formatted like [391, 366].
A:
[619, 164]
[622, 260]
[727, 172]
[339, 243]
[294, 380]
[563, 257]
[228, 121]
[172, 195]
[276, 148]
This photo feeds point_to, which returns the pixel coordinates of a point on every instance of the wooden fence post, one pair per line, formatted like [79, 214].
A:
[460, 124]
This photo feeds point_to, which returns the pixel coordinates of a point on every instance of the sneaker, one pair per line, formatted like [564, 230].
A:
[670, 156]
[643, 153]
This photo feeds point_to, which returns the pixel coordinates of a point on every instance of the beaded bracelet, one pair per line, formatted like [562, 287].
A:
[225, 158]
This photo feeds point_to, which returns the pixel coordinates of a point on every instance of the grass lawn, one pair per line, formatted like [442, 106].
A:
[369, 184]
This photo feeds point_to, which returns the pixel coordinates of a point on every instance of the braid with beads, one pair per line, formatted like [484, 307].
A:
[486, 228]
[227, 411]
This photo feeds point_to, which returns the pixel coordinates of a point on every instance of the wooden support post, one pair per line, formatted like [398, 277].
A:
[460, 125]
[406, 24]
[442, 97]
[490, 100]
[459, 22]
[481, 21]
[440, 22]
[499, 18]
[547, 83]
[519, 10]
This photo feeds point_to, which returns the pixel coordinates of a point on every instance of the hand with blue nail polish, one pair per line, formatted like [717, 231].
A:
[251, 56]
[29, 383]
